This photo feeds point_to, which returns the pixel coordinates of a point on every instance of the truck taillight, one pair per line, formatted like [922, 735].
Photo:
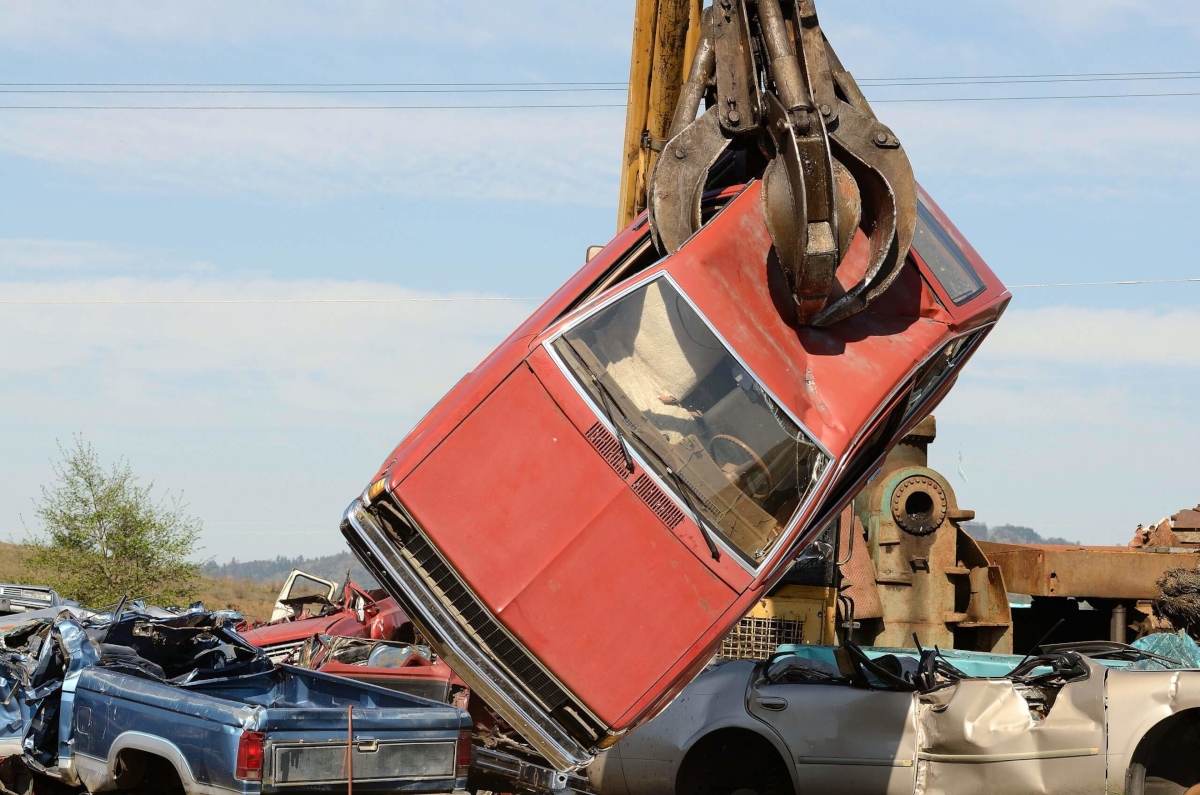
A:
[462, 764]
[250, 757]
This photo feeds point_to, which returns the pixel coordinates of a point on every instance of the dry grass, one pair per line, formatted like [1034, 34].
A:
[252, 599]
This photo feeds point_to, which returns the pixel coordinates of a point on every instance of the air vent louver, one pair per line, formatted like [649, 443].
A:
[609, 447]
[660, 503]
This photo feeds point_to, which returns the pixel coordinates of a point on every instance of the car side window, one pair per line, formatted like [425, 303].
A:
[945, 259]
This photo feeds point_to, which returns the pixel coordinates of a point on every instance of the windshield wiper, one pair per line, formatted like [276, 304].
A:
[622, 442]
[683, 488]
[680, 485]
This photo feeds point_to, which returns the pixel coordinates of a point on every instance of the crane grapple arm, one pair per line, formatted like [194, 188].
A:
[778, 106]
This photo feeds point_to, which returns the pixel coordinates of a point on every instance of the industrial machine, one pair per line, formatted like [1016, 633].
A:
[904, 569]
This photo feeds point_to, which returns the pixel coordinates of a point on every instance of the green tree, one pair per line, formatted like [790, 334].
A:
[103, 535]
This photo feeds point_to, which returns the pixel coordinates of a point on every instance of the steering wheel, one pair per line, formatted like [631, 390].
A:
[754, 462]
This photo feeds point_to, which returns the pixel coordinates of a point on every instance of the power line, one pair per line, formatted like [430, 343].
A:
[254, 301]
[576, 106]
[1102, 284]
[1165, 75]
[308, 107]
[1031, 76]
[987, 82]
[317, 85]
[1032, 98]
[489, 88]
[449, 299]
[305, 91]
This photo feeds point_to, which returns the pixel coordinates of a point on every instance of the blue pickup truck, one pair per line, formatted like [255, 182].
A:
[183, 704]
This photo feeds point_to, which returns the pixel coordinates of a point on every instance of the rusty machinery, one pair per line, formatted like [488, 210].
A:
[903, 566]
[778, 106]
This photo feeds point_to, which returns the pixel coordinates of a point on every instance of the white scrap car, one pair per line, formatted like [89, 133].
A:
[1076, 718]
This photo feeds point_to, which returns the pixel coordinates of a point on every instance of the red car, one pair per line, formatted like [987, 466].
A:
[309, 605]
[579, 522]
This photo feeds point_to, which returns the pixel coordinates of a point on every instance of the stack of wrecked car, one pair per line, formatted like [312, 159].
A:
[183, 703]
[310, 605]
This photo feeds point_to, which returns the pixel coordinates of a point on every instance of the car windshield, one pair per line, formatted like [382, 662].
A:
[700, 420]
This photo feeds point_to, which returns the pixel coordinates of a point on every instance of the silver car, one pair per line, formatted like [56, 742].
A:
[1095, 718]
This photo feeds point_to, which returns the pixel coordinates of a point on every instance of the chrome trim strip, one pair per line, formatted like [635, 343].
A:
[276, 749]
[575, 703]
[978, 759]
[461, 653]
[817, 489]
[850, 760]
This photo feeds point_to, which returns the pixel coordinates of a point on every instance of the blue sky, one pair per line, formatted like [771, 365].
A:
[1077, 418]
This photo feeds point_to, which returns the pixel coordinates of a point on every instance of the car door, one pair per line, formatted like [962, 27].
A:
[843, 738]
[298, 584]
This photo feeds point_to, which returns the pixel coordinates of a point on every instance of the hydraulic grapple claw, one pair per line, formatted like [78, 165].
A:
[771, 81]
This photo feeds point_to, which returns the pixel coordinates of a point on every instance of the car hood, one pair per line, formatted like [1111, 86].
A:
[547, 533]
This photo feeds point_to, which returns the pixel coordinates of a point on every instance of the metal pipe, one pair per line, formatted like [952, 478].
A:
[1116, 625]
[785, 67]
[704, 64]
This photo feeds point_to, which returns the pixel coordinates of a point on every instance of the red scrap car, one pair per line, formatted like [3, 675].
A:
[579, 522]
[310, 605]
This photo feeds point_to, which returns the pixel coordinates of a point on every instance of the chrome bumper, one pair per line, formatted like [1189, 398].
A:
[374, 548]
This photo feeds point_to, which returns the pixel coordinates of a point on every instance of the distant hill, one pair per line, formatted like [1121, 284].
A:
[331, 567]
[1012, 534]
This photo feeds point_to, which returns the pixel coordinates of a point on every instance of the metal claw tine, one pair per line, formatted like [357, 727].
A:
[833, 168]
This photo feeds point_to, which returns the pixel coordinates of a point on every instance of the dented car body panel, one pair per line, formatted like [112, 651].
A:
[659, 432]
[343, 611]
[994, 735]
[97, 700]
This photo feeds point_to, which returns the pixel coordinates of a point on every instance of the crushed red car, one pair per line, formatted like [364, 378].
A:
[309, 605]
[581, 519]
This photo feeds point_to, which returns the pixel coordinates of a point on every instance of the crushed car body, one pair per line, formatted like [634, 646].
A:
[501, 760]
[657, 433]
[1081, 718]
[105, 704]
[16, 599]
[309, 605]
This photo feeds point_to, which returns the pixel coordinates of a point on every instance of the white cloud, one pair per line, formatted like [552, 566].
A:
[36, 23]
[1056, 140]
[277, 361]
[1078, 17]
[566, 156]
[1097, 337]
[1066, 366]
[42, 256]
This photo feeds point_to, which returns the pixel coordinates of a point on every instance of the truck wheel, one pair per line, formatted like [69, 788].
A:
[733, 762]
[159, 778]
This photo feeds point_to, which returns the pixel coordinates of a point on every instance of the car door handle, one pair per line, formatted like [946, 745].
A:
[773, 704]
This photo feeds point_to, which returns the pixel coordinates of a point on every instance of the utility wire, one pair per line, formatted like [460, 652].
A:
[305, 107]
[452, 299]
[259, 91]
[921, 80]
[1031, 98]
[515, 106]
[1102, 284]
[491, 88]
[220, 301]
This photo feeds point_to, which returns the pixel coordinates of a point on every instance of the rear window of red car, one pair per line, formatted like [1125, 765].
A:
[945, 259]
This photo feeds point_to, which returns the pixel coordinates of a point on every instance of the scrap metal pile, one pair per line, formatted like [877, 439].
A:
[177, 701]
